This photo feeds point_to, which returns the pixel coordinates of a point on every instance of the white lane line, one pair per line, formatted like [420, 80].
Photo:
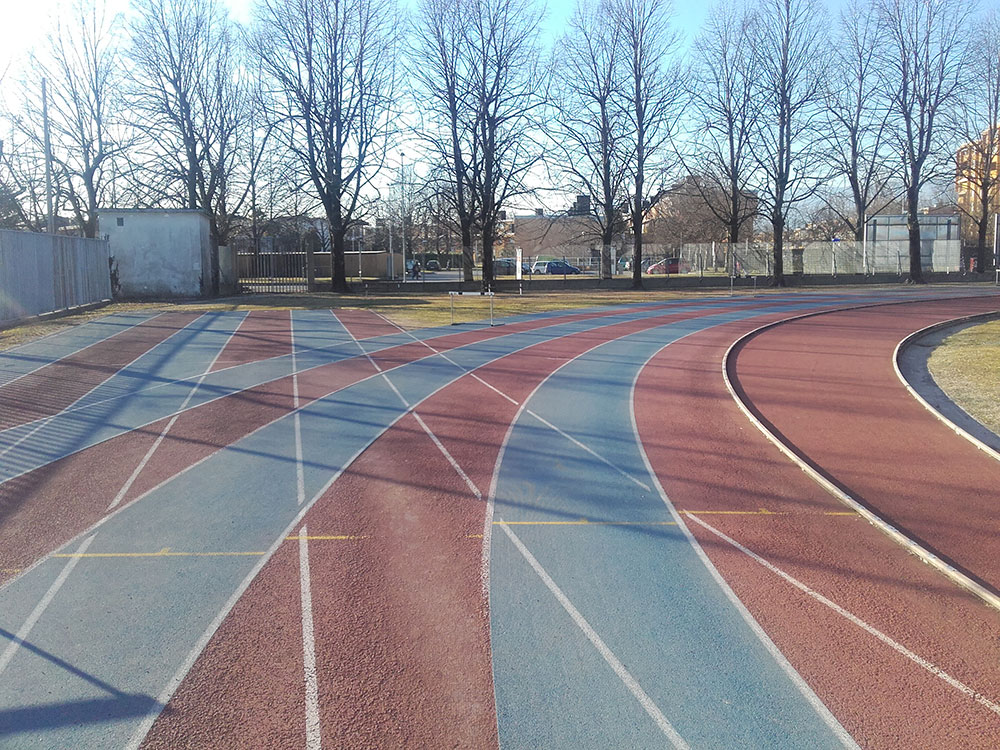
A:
[163, 433]
[383, 373]
[300, 479]
[529, 411]
[449, 359]
[589, 450]
[619, 669]
[42, 605]
[42, 421]
[313, 739]
[796, 679]
[170, 688]
[70, 354]
[465, 477]
[871, 630]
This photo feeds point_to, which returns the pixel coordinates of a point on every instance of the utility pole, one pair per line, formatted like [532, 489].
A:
[402, 206]
[51, 222]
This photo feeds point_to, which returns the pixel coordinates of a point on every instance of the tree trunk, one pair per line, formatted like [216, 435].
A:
[468, 256]
[913, 229]
[778, 227]
[637, 245]
[487, 237]
[338, 282]
[607, 237]
[981, 230]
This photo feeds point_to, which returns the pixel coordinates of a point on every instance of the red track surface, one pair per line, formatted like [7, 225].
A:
[262, 334]
[710, 459]
[56, 386]
[837, 400]
[363, 324]
[402, 631]
[35, 518]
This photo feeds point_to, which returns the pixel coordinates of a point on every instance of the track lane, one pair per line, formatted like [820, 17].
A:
[73, 430]
[56, 386]
[711, 462]
[608, 543]
[877, 441]
[24, 359]
[178, 503]
[396, 666]
[263, 334]
[364, 324]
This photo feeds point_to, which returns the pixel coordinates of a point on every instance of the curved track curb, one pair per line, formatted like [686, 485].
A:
[957, 576]
[912, 338]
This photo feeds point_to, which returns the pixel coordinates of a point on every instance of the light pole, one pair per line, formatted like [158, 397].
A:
[402, 209]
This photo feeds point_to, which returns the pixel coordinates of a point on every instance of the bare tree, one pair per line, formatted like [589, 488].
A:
[790, 47]
[441, 78]
[654, 95]
[331, 65]
[923, 66]
[592, 132]
[82, 66]
[191, 104]
[506, 92]
[725, 115]
[979, 126]
[857, 117]
[22, 183]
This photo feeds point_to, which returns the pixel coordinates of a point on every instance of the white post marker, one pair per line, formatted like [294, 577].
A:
[451, 297]
[518, 274]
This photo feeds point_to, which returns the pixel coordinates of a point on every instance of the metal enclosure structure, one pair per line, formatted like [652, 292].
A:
[43, 273]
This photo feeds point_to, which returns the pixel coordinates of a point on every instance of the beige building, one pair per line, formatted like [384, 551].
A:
[557, 236]
[970, 169]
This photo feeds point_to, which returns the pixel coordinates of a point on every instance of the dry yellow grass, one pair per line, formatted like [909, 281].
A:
[406, 310]
[967, 367]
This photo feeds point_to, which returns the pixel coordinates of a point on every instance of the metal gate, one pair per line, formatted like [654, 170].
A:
[268, 273]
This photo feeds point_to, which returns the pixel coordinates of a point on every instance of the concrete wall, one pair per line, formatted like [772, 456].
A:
[43, 273]
[159, 253]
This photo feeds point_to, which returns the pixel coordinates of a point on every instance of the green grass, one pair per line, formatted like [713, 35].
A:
[967, 367]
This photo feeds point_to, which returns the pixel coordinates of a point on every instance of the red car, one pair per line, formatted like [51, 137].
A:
[669, 266]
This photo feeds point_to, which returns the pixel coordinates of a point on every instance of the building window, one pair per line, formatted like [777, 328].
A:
[121, 221]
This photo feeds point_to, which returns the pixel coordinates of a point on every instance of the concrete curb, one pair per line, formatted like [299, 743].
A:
[954, 574]
[912, 338]
[54, 314]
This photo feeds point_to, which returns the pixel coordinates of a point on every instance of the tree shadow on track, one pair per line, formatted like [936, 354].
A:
[118, 705]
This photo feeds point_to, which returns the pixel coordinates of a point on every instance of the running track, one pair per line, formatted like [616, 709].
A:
[288, 529]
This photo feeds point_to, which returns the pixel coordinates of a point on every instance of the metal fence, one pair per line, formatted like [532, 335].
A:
[42, 273]
[822, 258]
[261, 273]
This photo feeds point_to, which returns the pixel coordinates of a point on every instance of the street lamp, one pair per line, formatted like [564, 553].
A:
[402, 208]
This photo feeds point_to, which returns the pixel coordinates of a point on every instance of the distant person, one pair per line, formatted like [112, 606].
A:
[416, 269]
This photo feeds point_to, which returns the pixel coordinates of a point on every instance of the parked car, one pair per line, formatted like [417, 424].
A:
[554, 267]
[670, 266]
[433, 265]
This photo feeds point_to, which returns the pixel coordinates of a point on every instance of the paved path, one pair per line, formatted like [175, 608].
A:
[290, 529]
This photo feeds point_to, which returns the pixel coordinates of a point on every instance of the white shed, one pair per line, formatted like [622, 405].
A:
[158, 252]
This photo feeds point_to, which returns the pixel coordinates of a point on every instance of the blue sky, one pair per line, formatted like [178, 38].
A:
[25, 23]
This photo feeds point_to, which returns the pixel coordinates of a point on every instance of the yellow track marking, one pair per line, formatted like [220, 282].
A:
[162, 553]
[585, 522]
[761, 512]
